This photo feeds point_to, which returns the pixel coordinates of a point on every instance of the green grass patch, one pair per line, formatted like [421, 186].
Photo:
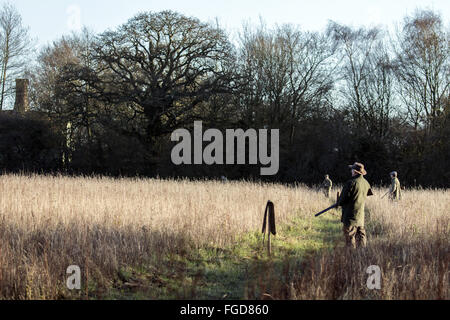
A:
[241, 271]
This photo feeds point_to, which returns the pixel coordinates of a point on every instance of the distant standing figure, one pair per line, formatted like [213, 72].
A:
[327, 185]
[352, 200]
[395, 192]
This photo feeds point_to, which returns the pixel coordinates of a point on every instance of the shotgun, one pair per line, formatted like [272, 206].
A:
[385, 194]
[327, 209]
[369, 193]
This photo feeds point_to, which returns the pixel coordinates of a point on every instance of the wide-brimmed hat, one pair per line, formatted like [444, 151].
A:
[358, 167]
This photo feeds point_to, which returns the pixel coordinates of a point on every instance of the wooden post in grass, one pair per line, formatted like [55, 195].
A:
[269, 219]
[337, 198]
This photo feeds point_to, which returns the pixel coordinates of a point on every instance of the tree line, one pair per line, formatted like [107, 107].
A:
[109, 102]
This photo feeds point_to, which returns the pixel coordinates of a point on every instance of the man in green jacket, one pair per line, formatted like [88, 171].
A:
[395, 192]
[352, 200]
[327, 185]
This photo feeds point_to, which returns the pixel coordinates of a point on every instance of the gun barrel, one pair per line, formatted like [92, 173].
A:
[327, 209]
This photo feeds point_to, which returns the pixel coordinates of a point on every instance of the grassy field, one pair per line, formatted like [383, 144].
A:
[155, 239]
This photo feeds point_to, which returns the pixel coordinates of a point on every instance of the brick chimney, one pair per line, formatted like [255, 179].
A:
[21, 104]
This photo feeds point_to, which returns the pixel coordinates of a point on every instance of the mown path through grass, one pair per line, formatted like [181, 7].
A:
[243, 271]
[247, 272]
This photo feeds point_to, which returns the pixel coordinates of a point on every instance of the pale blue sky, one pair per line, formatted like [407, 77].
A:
[49, 19]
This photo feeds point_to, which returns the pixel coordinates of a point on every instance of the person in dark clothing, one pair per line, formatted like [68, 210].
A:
[352, 200]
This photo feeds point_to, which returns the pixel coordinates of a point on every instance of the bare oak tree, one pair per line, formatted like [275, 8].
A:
[156, 69]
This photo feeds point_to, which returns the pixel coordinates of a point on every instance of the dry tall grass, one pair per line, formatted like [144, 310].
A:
[48, 223]
[409, 240]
